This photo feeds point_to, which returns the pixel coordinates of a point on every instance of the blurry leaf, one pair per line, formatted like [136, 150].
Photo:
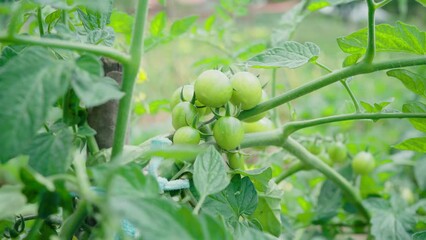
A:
[212, 62]
[268, 211]
[419, 172]
[11, 201]
[162, 2]
[30, 84]
[181, 26]
[376, 107]
[93, 89]
[250, 51]
[329, 201]
[50, 152]
[8, 52]
[238, 199]
[122, 23]
[420, 235]
[208, 24]
[316, 5]
[351, 60]
[249, 233]
[416, 107]
[399, 38]
[368, 107]
[287, 54]
[413, 144]
[152, 107]
[103, 36]
[210, 173]
[369, 186]
[91, 64]
[49, 204]
[413, 81]
[288, 24]
[158, 23]
[34, 184]
[422, 2]
[260, 177]
[96, 5]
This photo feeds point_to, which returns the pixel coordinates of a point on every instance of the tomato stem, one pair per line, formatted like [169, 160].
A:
[290, 171]
[40, 21]
[371, 45]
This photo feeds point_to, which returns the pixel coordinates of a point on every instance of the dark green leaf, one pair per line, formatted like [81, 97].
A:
[413, 81]
[416, 107]
[420, 235]
[181, 26]
[399, 38]
[50, 152]
[419, 172]
[91, 64]
[329, 201]
[422, 2]
[30, 84]
[413, 144]
[11, 201]
[248, 233]
[287, 54]
[210, 173]
[260, 177]
[238, 199]
[158, 23]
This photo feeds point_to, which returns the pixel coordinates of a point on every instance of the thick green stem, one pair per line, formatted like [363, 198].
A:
[309, 159]
[292, 170]
[130, 71]
[199, 204]
[79, 47]
[92, 145]
[35, 230]
[371, 47]
[275, 117]
[72, 224]
[357, 69]
[40, 21]
[269, 138]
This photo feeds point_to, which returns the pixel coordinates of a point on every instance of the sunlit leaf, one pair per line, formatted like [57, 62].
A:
[181, 26]
[413, 144]
[416, 107]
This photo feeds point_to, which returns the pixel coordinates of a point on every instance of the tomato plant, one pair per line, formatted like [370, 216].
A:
[251, 155]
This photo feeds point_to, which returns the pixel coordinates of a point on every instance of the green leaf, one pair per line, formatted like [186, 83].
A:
[399, 38]
[238, 199]
[422, 2]
[158, 23]
[250, 51]
[268, 210]
[208, 24]
[93, 89]
[181, 26]
[96, 5]
[288, 54]
[416, 107]
[50, 152]
[210, 173]
[122, 23]
[419, 235]
[316, 5]
[11, 201]
[351, 60]
[105, 36]
[412, 81]
[376, 107]
[329, 201]
[249, 233]
[260, 177]
[413, 144]
[288, 24]
[30, 84]
[419, 172]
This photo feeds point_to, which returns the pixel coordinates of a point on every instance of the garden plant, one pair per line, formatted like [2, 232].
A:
[67, 75]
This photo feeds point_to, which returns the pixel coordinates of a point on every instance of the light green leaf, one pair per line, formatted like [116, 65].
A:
[50, 152]
[105, 36]
[250, 51]
[11, 201]
[376, 107]
[287, 54]
[208, 24]
[419, 172]
[181, 26]
[158, 23]
[399, 38]
[351, 60]
[416, 107]
[122, 23]
[288, 24]
[412, 81]
[413, 144]
[210, 173]
[30, 84]
[422, 2]
[316, 5]
[260, 177]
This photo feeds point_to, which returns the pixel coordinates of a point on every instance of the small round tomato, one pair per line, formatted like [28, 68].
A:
[337, 152]
[315, 148]
[262, 125]
[325, 158]
[247, 91]
[228, 132]
[260, 115]
[183, 114]
[213, 88]
[187, 94]
[363, 163]
[236, 161]
[186, 135]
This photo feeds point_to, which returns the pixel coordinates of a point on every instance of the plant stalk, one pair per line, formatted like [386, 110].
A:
[371, 47]
[72, 224]
[290, 171]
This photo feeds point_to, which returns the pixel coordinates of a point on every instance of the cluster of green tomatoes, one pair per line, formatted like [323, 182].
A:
[363, 162]
[208, 109]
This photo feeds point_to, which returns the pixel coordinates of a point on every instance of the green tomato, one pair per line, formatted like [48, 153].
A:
[325, 158]
[213, 88]
[337, 152]
[363, 163]
[262, 125]
[187, 94]
[247, 91]
[183, 114]
[236, 161]
[315, 148]
[186, 135]
[260, 115]
[228, 132]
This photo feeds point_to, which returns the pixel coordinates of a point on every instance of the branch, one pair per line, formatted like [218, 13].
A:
[371, 45]
[75, 46]
[357, 69]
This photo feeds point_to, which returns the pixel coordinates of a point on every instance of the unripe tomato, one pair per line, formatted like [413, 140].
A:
[315, 148]
[247, 91]
[260, 115]
[186, 135]
[228, 132]
[325, 158]
[187, 94]
[262, 125]
[363, 163]
[337, 152]
[213, 88]
[236, 160]
[183, 114]
[408, 195]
